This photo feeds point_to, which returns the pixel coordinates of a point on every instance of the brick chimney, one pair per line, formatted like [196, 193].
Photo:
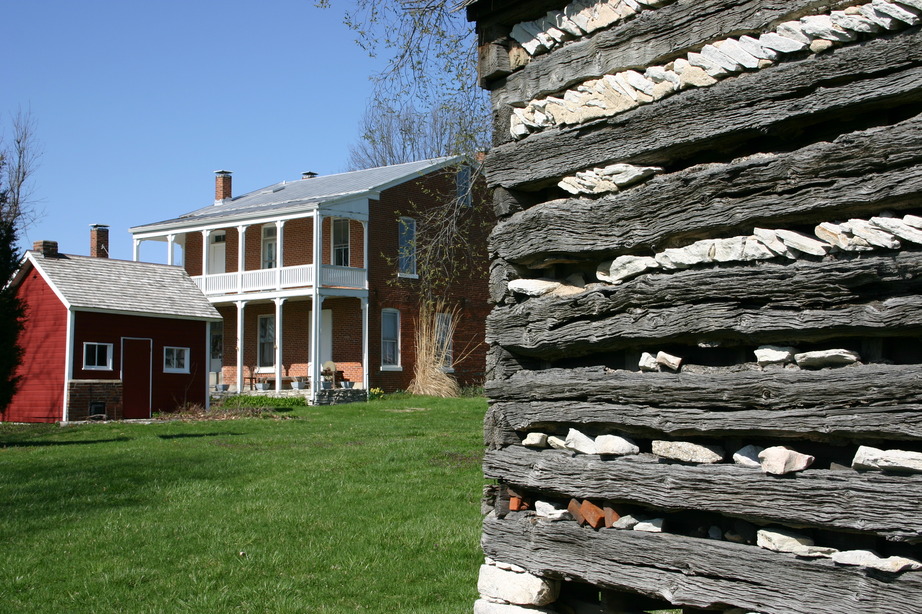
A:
[48, 249]
[222, 186]
[99, 241]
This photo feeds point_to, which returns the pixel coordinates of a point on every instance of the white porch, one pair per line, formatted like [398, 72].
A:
[282, 278]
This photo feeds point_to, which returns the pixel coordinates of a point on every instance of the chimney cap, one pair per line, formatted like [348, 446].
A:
[99, 225]
[223, 173]
[308, 175]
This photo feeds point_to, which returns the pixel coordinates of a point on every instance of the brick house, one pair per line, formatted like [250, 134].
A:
[345, 243]
[105, 337]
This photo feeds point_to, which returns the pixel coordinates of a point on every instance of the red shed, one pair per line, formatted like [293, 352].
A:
[108, 337]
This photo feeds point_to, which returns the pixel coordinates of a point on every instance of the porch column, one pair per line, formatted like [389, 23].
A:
[316, 305]
[170, 243]
[280, 255]
[241, 254]
[205, 236]
[316, 309]
[279, 302]
[240, 305]
[135, 249]
[365, 370]
[365, 252]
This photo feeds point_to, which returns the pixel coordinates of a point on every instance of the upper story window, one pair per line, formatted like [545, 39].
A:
[340, 241]
[97, 356]
[175, 360]
[270, 246]
[406, 247]
[463, 187]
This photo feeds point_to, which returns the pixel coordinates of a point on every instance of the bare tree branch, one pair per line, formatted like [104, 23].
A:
[21, 156]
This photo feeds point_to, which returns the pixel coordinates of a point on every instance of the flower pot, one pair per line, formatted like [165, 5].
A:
[326, 385]
[222, 387]
[262, 386]
[348, 385]
[298, 385]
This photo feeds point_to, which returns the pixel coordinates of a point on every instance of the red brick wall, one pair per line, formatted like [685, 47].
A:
[40, 396]
[81, 393]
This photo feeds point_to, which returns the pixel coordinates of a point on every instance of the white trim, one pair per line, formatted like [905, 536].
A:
[108, 366]
[68, 365]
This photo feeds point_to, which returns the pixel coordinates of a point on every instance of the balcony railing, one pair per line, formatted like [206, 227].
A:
[262, 280]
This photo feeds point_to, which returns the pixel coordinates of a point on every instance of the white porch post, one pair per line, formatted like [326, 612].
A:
[365, 369]
[170, 243]
[316, 306]
[136, 249]
[240, 305]
[279, 302]
[365, 252]
[205, 235]
[241, 255]
[280, 252]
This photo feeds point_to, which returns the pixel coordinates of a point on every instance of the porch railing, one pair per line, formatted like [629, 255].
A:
[261, 280]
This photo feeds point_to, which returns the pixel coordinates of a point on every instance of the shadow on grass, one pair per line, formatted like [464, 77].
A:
[38, 444]
[197, 435]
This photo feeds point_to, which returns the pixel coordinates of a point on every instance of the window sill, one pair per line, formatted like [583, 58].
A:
[181, 371]
[407, 275]
[391, 368]
[97, 368]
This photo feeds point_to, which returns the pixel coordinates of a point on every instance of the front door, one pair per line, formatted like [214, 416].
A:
[136, 377]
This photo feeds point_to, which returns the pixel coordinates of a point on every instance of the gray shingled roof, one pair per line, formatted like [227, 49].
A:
[102, 284]
[307, 192]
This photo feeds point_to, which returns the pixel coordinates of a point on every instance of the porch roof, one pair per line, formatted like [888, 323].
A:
[303, 194]
[86, 283]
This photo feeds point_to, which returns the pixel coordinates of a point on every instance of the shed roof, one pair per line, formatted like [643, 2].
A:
[85, 283]
[306, 193]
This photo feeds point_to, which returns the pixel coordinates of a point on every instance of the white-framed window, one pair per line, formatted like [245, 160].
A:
[270, 246]
[340, 241]
[175, 360]
[390, 340]
[463, 186]
[97, 356]
[443, 342]
[265, 357]
[406, 247]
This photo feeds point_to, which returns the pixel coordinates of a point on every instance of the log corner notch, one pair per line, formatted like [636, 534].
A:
[706, 342]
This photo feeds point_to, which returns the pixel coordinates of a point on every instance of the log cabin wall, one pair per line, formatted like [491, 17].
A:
[705, 385]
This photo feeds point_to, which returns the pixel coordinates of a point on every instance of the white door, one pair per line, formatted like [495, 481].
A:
[326, 334]
[216, 254]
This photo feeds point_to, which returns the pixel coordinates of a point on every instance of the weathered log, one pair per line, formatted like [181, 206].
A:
[768, 303]
[883, 505]
[857, 79]
[651, 38]
[856, 174]
[696, 572]
[858, 403]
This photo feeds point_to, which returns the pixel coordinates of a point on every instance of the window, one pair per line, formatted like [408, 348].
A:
[463, 186]
[266, 349]
[390, 339]
[340, 242]
[406, 247]
[270, 246]
[175, 360]
[97, 356]
[443, 333]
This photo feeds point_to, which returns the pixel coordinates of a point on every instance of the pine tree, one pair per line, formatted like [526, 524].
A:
[11, 308]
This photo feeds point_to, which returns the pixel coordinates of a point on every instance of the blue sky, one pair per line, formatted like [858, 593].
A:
[137, 103]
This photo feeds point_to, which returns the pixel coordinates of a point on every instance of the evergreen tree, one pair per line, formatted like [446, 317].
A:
[11, 308]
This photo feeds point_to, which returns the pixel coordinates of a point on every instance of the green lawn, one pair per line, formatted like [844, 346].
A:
[367, 507]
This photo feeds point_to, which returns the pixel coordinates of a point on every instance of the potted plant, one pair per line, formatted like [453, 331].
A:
[298, 384]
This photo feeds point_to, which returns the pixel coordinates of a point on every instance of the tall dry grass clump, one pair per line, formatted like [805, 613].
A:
[435, 328]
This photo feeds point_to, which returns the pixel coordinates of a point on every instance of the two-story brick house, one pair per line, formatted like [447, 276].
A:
[342, 243]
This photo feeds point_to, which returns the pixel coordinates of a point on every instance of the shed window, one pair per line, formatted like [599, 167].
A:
[97, 356]
[175, 360]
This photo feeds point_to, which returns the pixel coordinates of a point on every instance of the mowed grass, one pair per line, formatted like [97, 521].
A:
[366, 507]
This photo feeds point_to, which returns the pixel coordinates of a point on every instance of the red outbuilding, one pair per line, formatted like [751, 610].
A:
[109, 338]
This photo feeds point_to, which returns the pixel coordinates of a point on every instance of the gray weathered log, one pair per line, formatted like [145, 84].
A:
[859, 403]
[856, 174]
[653, 37]
[768, 303]
[884, 505]
[857, 79]
[696, 572]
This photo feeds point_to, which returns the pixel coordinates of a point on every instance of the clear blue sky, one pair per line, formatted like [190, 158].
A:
[137, 103]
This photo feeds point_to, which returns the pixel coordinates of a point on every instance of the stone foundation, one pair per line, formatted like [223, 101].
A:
[88, 398]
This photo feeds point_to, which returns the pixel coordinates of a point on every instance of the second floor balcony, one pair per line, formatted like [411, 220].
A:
[282, 278]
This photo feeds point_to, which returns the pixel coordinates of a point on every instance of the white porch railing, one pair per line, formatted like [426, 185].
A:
[278, 279]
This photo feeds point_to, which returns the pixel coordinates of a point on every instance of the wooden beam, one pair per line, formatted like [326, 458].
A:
[883, 505]
[696, 572]
[792, 96]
